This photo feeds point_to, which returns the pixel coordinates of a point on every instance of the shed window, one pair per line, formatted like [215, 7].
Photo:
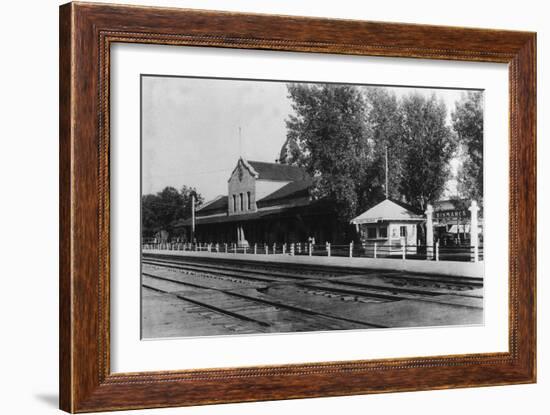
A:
[234, 203]
[371, 233]
[403, 231]
[241, 201]
[248, 200]
[383, 232]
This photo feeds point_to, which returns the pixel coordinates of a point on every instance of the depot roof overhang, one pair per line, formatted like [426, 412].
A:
[386, 220]
[318, 208]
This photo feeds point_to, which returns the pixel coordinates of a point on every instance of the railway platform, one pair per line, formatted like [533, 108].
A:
[451, 268]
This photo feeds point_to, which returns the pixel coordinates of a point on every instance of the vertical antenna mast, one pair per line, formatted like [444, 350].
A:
[240, 143]
[387, 190]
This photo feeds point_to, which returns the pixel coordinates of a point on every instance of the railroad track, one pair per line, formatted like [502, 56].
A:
[210, 307]
[358, 292]
[392, 288]
[304, 270]
[246, 309]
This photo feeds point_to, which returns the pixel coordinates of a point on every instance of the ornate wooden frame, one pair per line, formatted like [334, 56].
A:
[86, 33]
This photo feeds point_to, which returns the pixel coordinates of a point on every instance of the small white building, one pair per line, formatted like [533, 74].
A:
[389, 223]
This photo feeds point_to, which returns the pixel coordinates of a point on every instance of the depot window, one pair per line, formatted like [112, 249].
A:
[371, 233]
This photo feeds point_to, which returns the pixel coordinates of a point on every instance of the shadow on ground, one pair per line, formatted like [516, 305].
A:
[50, 399]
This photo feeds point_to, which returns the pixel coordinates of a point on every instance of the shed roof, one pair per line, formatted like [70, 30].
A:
[292, 190]
[217, 204]
[388, 210]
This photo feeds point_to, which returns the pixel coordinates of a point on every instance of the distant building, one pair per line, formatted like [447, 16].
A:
[452, 221]
[389, 223]
[265, 203]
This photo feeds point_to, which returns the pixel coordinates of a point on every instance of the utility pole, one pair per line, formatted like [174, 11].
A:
[387, 190]
[192, 217]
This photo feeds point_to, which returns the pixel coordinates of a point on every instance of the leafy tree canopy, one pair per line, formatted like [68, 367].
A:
[343, 134]
[468, 124]
[327, 135]
[428, 144]
[159, 211]
[385, 127]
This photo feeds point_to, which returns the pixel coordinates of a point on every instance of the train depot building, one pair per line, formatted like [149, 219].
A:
[265, 203]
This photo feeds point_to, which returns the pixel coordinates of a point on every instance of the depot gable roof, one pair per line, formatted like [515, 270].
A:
[388, 210]
[275, 171]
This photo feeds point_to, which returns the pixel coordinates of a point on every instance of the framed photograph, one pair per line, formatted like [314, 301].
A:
[258, 207]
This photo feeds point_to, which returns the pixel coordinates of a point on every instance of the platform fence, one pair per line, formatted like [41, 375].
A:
[433, 252]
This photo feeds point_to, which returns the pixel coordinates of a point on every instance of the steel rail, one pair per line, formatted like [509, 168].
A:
[275, 303]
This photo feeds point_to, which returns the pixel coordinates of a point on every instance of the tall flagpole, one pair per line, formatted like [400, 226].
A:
[387, 192]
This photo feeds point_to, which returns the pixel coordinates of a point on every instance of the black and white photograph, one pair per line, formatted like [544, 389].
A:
[282, 206]
[275, 207]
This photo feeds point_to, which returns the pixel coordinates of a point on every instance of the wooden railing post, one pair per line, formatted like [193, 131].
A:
[474, 239]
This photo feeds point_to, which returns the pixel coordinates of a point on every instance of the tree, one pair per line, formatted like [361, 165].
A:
[468, 125]
[341, 133]
[428, 146]
[385, 126]
[150, 223]
[327, 135]
[169, 207]
[186, 192]
[159, 211]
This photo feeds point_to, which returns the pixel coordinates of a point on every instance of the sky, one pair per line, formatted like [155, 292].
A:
[190, 128]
